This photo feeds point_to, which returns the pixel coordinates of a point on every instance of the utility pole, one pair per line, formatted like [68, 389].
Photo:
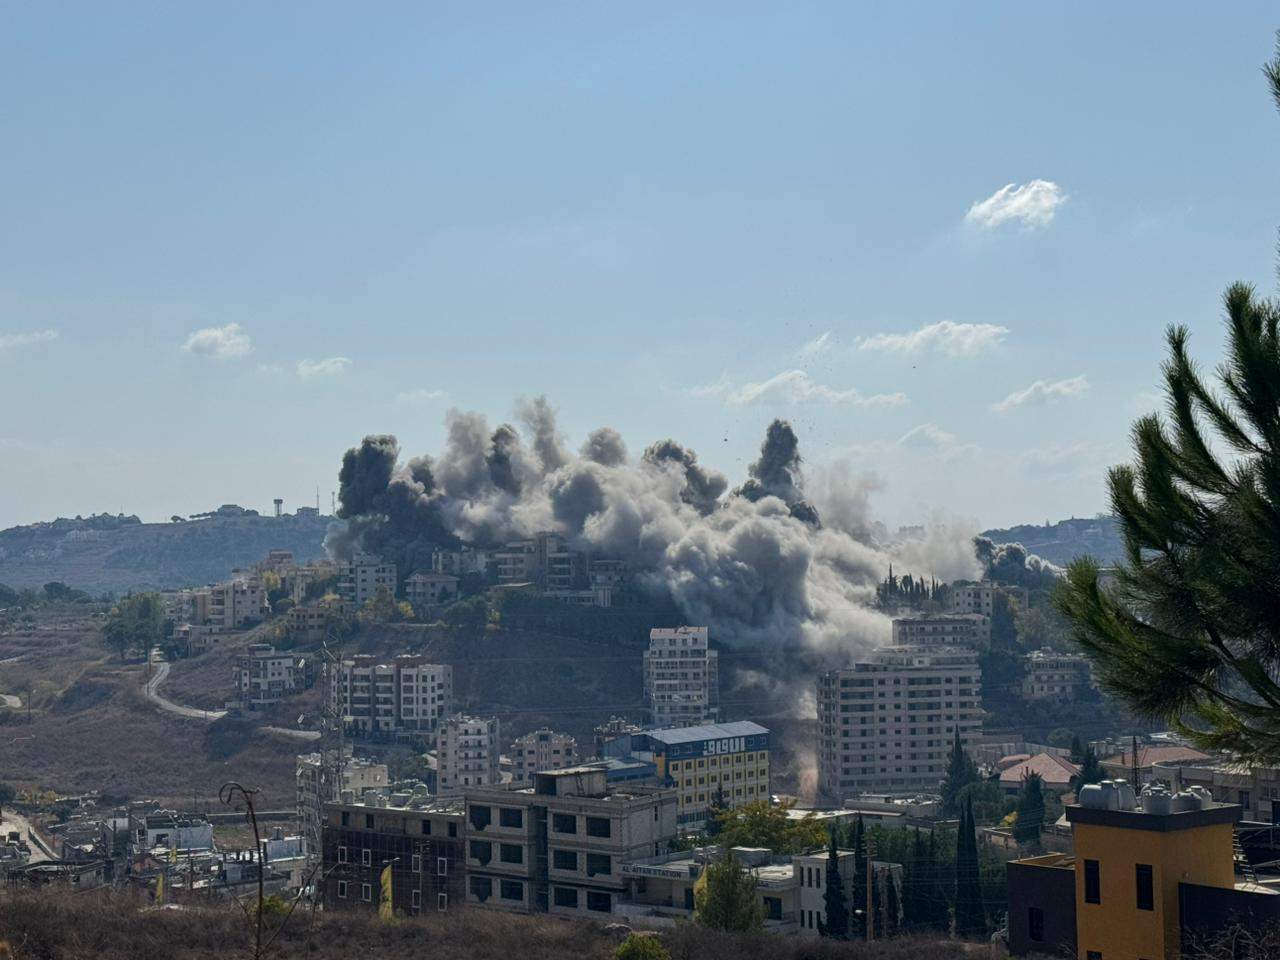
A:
[871, 914]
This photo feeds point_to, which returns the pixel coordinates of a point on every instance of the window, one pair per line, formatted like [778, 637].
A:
[599, 902]
[480, 817]
[511, 817]
[599, 827]
[453, 829]
[426, 828]
[481, 888]
[511, 890]
[1092, 882]
[417, 899]
[342, 889]
[1093, 955]
[366, 857]
[366, 892]
[1035, 924]
[511, 853]
[442, 902]
[566, 897]
[442, 867]
[598, 863]
[342, 854]
[565, 860]
[415, 863]
[1146, 888]
[346, 818]
[564, 823]
[481, 850]
[368, 821]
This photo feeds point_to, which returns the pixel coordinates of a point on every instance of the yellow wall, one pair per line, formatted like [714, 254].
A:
[1116, 927]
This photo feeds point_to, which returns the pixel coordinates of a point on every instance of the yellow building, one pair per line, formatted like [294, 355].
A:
[1136, 868]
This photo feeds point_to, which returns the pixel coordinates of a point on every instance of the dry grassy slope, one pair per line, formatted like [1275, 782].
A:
[119, 927]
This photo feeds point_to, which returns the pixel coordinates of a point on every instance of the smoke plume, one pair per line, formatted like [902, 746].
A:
[754, 564]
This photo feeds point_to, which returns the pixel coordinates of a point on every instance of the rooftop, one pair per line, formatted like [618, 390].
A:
[706, 731]
[1054, 771]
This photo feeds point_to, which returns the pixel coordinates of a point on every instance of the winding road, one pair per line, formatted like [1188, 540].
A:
[151, 690]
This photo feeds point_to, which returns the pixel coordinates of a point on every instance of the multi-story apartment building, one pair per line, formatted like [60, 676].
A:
[1056, 677]
[407, 695]
[541, 750]
[958, 629]
[461, 562]
[418, 836]
[560, 846]
[264, 676]
[613, 729]
[885, 724]
[681, 677]
[361, 577]
[466, 754]
[235, 604]
[968, 597]
[425, 590]
[319, 783]
[722, 765]
[309, 621]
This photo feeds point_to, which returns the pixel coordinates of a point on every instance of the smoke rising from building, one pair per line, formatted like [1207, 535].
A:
[755, 564]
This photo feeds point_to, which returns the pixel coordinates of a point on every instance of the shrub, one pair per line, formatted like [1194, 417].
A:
[641, 946]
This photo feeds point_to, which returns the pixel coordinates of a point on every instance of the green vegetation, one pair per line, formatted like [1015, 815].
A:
[970, 917]
[961, 772]
[764, 824]
[834, 901]
[136, 622]
[727, 900]
[1031, 811]
[640, 946]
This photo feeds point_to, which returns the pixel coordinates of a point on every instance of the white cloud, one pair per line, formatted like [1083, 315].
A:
[10, 341]
[927, 435]
[796, 386]
[717, 388]
[817, 346]
[945, 336]
[1042, 392]
[219, 343]
[329, 367]
[419, 397]
[1031, 204]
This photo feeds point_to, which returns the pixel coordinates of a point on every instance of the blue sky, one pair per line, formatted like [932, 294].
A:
[643, 212]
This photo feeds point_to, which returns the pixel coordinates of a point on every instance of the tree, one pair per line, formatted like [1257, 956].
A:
[1077, 749]
[858, 844]
[7, 795]
[641, 946]
[1189, 631]
[383, 607]
[1061, 737]
[970, 920]
[835, 903]
[1026, 829]
[764, 824]
[1090, 771]
[719, 806]
[727, 901]
[889, 925]
[961, 771]
[135, 622]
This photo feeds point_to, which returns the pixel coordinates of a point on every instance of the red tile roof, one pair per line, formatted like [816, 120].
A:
[1054, 771]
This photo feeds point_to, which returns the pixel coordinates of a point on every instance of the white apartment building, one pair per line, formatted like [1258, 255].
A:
[318, 785]
[967, 597]
[360, 578]
[460, 562]
[545, 560]
[959, 629]
[466, 754]
[542, 750]
[885, 725]
[1055, 677]
[681, 678]
[404, 696]
[264, 676]
[424, 590]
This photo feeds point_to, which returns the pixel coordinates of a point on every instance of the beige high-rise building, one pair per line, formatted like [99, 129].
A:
[542, 750]
[467, 754]
[886, 724]
[405, 695]
[360, 578]
[319, 784]
[681, 678]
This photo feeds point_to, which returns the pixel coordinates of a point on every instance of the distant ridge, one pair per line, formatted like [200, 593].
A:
[1062, 542]
[120, 553]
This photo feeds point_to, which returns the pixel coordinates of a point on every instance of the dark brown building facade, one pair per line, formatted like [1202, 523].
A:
[422, 843]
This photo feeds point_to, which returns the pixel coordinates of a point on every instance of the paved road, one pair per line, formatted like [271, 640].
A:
[295, 734]
[151, 688]
[13, 820]
[10, 700]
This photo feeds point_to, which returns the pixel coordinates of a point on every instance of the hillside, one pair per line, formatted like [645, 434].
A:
[119, 554]
[1062, 542]
[116, 927]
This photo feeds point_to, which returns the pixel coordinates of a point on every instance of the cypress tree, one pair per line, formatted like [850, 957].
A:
[890, 926]
[1030, 821]
[836, 925]
[857, 922]
[961, 771]
[970, 921]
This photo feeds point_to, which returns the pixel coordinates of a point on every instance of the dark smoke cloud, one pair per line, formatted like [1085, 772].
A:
[756, 567]
[777, 473]
[606, 447]
[1011, 563]
[702, 487]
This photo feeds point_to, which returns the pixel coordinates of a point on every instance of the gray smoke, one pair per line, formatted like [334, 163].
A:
[754, 565]
[606, 447]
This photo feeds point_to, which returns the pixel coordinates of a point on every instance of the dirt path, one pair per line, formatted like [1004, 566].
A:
[151, 688]
[12, 820]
